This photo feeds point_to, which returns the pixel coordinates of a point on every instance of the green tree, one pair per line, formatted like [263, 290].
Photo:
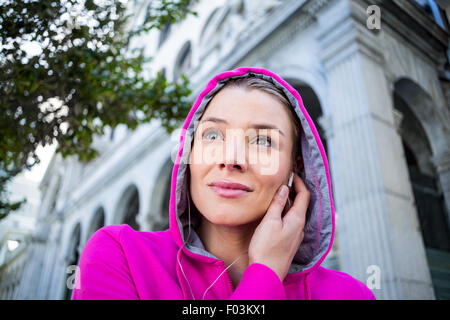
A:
[81, 78]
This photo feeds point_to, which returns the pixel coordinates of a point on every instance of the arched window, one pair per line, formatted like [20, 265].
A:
[128, 208]
[164, 34]
[417, 127]
[183, 61]
[160, 197]
[72, 257]
[98, 221]
[132, 211]
[209, 26]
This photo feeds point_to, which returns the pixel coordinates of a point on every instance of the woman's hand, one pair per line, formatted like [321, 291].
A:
[276, 239]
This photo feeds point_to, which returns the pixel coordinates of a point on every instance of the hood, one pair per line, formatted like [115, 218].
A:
[320, 224]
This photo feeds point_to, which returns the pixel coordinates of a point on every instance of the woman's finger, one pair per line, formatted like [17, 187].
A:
[297, 213]
[278, 202]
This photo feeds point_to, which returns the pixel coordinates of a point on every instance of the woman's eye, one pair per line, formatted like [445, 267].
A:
[267, 142]
[212, 135]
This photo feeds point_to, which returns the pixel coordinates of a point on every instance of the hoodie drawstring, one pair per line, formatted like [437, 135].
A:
[307, 292]
[182, 271]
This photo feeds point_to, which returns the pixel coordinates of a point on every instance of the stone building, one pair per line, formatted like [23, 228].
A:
[378, 91]
[15, 235]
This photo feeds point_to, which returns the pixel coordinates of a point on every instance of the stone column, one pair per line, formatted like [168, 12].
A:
[378, 223]
[53, 250]
[33, 268]
[333, 259]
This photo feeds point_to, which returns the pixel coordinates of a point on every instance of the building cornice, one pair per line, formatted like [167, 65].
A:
[257, 34]
[409, 21]
[346, 32]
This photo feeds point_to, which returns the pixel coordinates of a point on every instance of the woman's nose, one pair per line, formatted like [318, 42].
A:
[235, 151]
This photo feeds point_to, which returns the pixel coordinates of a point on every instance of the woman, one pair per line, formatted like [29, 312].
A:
[235, 232]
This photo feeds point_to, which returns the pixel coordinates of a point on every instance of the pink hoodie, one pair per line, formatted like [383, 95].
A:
[121, 263]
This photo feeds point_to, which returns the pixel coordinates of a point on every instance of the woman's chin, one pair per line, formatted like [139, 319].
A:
[228, 221]
[225, 218]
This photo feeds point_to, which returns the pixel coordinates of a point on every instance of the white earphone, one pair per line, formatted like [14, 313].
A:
[291, 179]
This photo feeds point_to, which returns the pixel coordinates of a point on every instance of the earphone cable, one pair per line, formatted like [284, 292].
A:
[179, 263]
[184, 242]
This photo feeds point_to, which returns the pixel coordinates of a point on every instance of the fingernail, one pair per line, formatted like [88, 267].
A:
[283, 191]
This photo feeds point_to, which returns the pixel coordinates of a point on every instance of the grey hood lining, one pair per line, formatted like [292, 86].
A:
[319, 225]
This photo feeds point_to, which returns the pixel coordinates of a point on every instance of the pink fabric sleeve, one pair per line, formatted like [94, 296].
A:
[368, 294]
[103, 272]
[259, 282]
[364, 293]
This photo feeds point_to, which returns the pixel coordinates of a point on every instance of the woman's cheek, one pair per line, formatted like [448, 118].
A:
[267, 162]
[208, 153]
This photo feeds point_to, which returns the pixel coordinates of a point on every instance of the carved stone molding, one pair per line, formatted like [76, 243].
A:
[347, 34]
[398, 118]
[289, 13]
[442, 162]
[304, 18]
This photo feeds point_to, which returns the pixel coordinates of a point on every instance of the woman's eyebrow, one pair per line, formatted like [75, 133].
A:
[252, 125]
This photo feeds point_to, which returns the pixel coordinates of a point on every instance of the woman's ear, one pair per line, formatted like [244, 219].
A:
[298, 166]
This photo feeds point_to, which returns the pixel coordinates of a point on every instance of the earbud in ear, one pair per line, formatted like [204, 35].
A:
[291, 178]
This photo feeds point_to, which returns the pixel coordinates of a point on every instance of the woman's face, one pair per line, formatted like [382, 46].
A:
[230, 145]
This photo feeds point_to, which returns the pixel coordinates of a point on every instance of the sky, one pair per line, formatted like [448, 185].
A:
[37, 172]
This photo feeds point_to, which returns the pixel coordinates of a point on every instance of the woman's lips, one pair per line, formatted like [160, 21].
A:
[229, 193]
[229, 189]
